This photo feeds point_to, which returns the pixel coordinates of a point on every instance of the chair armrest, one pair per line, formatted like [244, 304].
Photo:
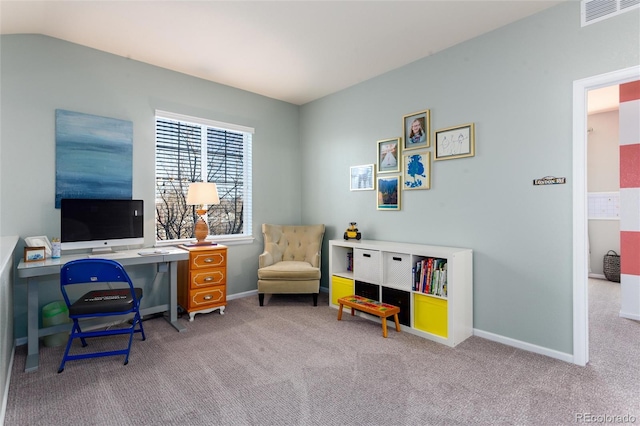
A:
[314, 259]
[265, 259]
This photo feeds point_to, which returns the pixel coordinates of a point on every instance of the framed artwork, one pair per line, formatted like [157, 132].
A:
[34, 254]
[388, 193]
[362, 178]
[417, 128]
[389, 155]
[94, 156]
[416, 170]
[455, 142]
[40, 241]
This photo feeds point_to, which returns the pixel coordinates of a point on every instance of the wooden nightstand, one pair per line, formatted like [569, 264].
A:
[202, 280]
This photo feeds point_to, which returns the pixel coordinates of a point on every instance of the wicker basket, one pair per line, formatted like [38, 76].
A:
[611, 266]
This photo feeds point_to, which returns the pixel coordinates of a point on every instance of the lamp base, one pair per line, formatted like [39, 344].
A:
[201, 230]
[202, 243]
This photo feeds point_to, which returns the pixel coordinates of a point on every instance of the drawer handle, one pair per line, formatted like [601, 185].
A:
[208, 297]
[399, 259]
[208, 279]
[366, 255]
[208, 260]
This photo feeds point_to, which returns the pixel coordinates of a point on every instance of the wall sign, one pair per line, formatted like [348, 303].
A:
[550, 180]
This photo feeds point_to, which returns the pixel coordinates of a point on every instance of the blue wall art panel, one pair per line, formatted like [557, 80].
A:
[94, 156]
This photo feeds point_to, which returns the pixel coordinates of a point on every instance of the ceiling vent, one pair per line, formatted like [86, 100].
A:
[592, 11]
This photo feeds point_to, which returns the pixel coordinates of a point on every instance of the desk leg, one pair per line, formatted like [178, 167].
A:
[32, 325]
[173, 297]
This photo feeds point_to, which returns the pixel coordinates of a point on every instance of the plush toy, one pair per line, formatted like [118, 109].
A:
[352, 232]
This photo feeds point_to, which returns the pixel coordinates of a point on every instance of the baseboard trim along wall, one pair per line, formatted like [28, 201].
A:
[523, 345]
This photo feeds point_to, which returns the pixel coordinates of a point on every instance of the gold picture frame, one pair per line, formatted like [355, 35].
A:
[417, 130]
[455, 142]
[388, 193]
[416, 170]
[389, 151]
[362, 178]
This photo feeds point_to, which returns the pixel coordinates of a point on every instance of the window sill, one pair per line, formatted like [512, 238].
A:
[235, 241]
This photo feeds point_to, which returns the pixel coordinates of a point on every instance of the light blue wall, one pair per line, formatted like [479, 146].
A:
[515, 84]
[40, 74]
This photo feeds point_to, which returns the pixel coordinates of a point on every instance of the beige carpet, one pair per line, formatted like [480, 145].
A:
[289, 363]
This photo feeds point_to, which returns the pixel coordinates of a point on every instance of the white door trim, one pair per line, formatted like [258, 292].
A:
[580, 225]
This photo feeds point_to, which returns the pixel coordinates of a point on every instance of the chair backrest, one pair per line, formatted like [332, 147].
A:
[294, 242]
[89, 271]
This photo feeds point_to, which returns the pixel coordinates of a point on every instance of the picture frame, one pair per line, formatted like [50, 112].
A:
[388, 193]
[389, 151]
[39, 241]
[362, 178]
[34, 254]
[455, 142]
[417, 130]
[416, 170]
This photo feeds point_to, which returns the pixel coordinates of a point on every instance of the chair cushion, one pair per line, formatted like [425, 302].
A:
[98, 301]
[289, 270]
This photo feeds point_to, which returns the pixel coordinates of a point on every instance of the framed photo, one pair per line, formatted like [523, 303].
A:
[389, 155]
[417, 128]
[455, 142]
[39, 241]
[416, 170]
[388, 193]
[34, 254]
[363, 178]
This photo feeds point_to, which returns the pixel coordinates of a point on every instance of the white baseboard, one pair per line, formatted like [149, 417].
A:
[631, 316]
[524, 345]
[598, 276]
[243, 294]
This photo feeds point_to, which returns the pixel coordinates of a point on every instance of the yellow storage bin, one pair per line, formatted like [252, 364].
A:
[340, 287]
[430, 314]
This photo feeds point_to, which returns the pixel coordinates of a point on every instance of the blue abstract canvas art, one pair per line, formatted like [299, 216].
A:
[94, 156]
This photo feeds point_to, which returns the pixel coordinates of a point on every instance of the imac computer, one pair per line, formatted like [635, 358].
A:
[100, 224]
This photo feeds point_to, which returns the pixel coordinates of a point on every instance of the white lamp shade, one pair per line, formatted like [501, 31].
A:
[202, 193]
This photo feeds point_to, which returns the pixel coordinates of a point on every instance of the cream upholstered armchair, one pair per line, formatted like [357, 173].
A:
[290, 263]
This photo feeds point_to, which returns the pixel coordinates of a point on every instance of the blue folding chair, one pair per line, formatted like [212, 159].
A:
[100, 303]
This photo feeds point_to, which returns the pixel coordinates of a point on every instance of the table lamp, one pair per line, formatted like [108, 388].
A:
[200, 193]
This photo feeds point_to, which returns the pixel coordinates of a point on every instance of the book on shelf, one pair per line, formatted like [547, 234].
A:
[430, 276]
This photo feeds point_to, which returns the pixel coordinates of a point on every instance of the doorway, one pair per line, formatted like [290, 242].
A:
[580, 223]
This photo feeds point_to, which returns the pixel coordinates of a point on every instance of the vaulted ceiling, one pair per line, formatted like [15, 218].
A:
[295, 51]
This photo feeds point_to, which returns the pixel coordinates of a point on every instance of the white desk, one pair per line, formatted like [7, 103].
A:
[32, 270]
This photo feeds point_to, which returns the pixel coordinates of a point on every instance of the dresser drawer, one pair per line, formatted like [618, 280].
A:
[206, 298]
[208, 259]
[201, 278]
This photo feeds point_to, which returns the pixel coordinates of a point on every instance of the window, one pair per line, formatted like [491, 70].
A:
[190, 149]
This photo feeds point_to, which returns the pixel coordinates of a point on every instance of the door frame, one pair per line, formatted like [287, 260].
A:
[580, 222]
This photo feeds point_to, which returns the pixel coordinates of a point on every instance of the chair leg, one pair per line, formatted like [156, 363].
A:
[137, 318]
[261, 299]
[315, 299]
[69, 341]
